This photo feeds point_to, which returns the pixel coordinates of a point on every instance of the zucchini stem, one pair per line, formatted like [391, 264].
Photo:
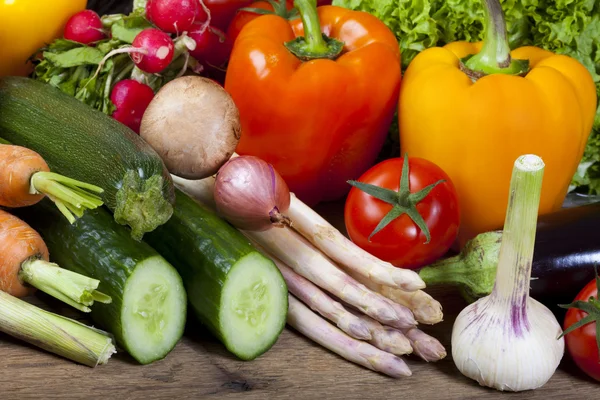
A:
[76, 290]
[141, 205]
[54, 333]
[72, 197]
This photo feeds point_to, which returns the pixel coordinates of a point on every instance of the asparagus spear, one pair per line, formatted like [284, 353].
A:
[425, 346]
[318, 301]
[384, 337]
[316, 328]
[306, 260]
[343, 251]
[425, 308]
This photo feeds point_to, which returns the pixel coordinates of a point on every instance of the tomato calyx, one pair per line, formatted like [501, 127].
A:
[402, 201]
[592, 308]
[279, 9]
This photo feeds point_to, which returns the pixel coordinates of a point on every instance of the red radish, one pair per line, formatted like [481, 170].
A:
[203, 15]
[131, 98]
[172, 16]
[84, 27]
[152, 51]
[213, 47]
[156, 50]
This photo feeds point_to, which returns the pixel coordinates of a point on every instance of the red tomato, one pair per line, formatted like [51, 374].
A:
[401, 242]
[581, 342]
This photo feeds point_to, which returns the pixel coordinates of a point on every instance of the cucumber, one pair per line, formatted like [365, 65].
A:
[148, 310]
[234, 290]
[84, 144]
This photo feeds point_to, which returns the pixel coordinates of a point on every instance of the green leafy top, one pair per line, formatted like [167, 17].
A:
[71, 66]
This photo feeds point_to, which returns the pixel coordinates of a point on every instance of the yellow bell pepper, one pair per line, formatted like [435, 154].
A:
[474, 108]
[27, 25]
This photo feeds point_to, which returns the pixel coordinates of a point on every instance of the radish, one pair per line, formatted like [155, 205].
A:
[152, 51]
[213, 47]
[84, 27]
[172, 16]
[131, 98]
[156, 50]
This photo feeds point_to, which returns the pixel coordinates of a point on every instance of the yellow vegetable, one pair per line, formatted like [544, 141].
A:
[27, 25]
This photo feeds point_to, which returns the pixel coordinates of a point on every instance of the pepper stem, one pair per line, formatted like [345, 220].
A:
[494, 57]
[518, 238]
[313, 44]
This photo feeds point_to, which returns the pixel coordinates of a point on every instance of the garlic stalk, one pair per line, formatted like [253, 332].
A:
[507, 340]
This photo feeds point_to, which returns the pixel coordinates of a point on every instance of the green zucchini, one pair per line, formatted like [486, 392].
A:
[234, 290]
[87, 145]
[148, 310]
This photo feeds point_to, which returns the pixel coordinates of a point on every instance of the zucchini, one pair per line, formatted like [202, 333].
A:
[87, 145]
[148, 310]
[234, 290]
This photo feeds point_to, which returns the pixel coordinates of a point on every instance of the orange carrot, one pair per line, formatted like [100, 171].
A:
[25, 179]
[17, 166]
[18, 243]
[24, 266]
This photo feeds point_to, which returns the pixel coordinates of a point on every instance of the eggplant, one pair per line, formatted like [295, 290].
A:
[567, 249]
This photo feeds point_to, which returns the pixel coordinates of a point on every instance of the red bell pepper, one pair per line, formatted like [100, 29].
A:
[316, 95]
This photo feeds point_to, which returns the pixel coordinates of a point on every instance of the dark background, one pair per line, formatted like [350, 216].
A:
[110, 6]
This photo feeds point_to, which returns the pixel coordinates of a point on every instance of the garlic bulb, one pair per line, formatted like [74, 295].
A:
[507, 340]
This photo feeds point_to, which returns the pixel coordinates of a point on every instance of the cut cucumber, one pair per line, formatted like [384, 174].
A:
[152, 312]
[250, 309]
[238, 293]
[148, 310]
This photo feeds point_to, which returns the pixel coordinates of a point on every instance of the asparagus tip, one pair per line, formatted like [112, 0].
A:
[408, 280]
[359, 331]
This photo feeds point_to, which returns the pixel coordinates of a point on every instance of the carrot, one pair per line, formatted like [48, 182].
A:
[18, 243]
[24, 266]
[25, 179]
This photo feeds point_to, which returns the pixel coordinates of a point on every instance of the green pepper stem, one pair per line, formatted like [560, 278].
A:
[54, 333]
[494, 57]
[76, 290]
[311, 24]
[72, 197]
[313, 44]
[518, 238]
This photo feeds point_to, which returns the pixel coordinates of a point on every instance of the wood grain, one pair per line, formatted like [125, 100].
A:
[295, 368]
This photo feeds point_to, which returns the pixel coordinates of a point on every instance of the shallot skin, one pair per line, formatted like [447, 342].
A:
[251, 194]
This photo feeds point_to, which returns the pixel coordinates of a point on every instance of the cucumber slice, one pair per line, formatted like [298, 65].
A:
[252, 298]
[153, 299]
[234, 290]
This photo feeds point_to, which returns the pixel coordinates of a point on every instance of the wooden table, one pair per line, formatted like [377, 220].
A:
[295, 368]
